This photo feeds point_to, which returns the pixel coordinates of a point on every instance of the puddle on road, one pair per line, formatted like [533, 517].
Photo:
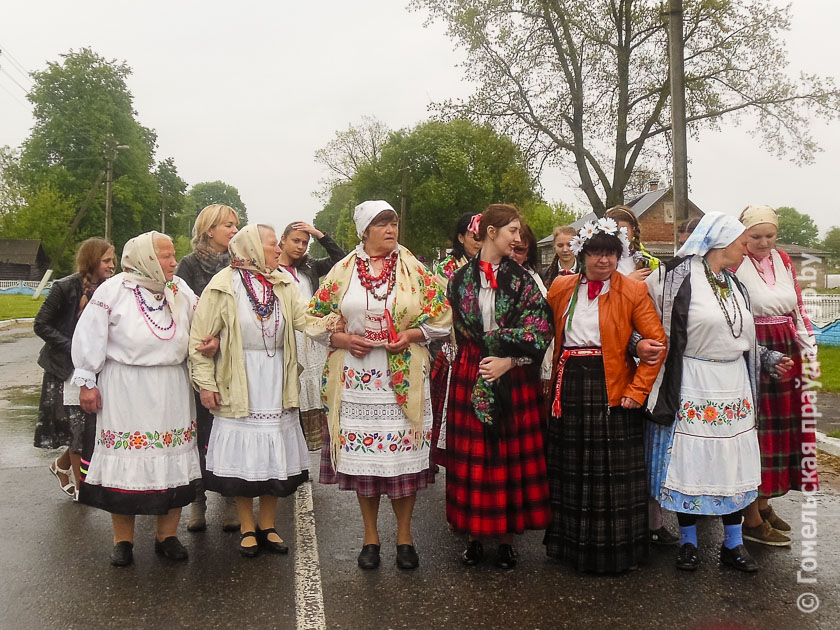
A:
[18, 415]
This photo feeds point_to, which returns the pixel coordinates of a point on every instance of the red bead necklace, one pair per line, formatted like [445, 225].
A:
[387, 275]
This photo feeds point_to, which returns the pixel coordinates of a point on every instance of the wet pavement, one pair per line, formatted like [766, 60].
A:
[54, 556]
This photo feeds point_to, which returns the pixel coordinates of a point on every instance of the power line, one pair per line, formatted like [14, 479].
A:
[15, 81]
[17, 65]
[14, 97]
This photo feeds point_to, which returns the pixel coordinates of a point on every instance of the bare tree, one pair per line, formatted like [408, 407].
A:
[343, 155]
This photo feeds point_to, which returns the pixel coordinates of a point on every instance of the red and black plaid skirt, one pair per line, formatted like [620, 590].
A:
[437, 389]
[494, 486]
[780, 434]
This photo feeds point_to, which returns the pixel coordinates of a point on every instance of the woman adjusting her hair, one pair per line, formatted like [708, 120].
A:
[376, 386]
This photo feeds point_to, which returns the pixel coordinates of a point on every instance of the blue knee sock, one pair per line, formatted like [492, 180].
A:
[732, 536]
[688, 535]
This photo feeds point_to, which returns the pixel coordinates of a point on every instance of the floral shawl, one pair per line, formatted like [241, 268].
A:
[447, 267]
[525, 329]
[419, 300]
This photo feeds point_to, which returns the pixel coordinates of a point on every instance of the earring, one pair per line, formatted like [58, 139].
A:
[210, 234]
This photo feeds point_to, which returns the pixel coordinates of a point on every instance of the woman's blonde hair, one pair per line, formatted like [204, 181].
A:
[209, 218]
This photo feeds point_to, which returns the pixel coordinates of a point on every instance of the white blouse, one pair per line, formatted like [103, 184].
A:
[586, 326]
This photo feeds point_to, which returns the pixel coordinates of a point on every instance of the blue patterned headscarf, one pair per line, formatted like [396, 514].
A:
[714, 230]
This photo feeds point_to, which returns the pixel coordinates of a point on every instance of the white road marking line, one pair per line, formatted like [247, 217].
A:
[309, 598]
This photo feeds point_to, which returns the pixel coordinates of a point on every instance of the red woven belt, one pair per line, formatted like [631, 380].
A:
[561, 366]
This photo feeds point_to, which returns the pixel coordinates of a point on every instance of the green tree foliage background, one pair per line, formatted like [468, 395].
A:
[796, 228]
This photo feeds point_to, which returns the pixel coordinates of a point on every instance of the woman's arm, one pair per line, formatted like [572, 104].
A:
[48, 316]
[334, 254]
[207, 322]
[89, 349]
[645, 319]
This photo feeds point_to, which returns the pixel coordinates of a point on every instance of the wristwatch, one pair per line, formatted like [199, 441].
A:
[520, 361]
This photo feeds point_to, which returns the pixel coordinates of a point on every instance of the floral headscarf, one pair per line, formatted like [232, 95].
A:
[246, 252]
[140, 264]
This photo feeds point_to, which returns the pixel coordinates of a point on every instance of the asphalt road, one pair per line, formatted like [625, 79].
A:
[55, 571]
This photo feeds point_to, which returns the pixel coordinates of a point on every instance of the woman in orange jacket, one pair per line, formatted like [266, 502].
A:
[595, 454]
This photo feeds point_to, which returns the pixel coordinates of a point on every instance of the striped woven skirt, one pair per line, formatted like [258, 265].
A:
[780, 434]
[596, 475]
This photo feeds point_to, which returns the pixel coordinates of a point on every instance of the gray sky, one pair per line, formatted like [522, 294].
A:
[246, 92]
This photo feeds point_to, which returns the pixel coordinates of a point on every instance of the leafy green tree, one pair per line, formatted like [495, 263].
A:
[171, 190]
[349, 150]
[542, 217]
[585, 83]
[204, 194]
[831, 244]
[796, 228]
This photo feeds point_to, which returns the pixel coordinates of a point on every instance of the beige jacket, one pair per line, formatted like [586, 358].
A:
[216, 315]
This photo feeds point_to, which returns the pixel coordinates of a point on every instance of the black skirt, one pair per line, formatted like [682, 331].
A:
[118, 501]
[596, 475]
[235, 487]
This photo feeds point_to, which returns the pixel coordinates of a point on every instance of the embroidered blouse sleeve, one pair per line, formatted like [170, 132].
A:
[90, 339]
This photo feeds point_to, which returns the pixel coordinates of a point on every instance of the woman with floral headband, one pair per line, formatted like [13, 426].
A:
[596, 454]
[636, 262]
[129, 352]
[465, 245]
[702, 449]
[495, 463]
[256, 447]
[376, 391]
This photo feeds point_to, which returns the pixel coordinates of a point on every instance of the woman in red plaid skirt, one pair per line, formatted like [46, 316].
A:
[496, 478]
[782, 324]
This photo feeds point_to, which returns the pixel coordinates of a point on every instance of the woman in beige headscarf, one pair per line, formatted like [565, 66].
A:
[129, 351]
[256, 447]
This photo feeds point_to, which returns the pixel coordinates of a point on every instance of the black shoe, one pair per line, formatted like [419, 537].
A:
[407, 557]
[473, 554]
[253, 550]
[687, 558]
[663, 537]
[369, 557]
[121, 554]
[171, 548]
[505, 557]
[738, 558]
[273, 547]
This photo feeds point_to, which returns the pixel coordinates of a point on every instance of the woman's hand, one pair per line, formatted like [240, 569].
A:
[209, 346]
[356, 345]
[784, 366]
[210, 400]
[404, 339]
[639, 274]
[649, 351]
[493, 368]
[90, 400]
[305, 227]
[629, 403]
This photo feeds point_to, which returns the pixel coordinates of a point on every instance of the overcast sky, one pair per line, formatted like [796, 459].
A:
[247, 92]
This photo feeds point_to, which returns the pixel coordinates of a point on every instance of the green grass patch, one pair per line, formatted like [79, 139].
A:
[834, 434]
[18, 306]
[829, 357]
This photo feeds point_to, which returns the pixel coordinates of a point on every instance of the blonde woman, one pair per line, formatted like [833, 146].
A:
[214, 226]
[565, 262]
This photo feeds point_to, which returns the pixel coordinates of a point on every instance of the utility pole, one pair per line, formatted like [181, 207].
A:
[678, 124]
[110, 156]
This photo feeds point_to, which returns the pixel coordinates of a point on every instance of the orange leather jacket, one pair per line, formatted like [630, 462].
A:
[621, 310]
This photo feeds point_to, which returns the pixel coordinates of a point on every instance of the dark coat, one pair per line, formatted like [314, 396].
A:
[191, 272]
[55, 323]
[314, 268]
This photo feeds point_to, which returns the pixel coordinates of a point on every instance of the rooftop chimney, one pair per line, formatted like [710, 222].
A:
[653, 185]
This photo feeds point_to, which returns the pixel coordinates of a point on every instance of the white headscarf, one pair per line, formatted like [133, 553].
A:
[366, 212]
[140, 263]
[754, 215]
[714, 230]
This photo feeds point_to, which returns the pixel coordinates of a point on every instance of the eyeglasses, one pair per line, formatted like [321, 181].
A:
[600, 255]
[520, 250]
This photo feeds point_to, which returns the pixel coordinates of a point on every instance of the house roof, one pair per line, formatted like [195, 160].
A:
[799, 250]
[644, 202]
[19, 251]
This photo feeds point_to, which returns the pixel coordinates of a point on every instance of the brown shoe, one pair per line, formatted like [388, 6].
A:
[766, 535]
[775, 521]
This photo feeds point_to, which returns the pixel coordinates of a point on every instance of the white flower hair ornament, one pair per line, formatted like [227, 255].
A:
[604, 225]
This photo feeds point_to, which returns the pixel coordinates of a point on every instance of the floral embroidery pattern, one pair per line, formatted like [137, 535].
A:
[137, 440]
[363, 380]
[717, 413]
[449, 265]
[385, 442]
[101, 304]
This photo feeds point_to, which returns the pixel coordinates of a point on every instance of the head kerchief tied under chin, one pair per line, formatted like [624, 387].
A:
[753, 215]
[246, 252]
[140, 263]
[366, 212]
[714, 230]
[475, 222]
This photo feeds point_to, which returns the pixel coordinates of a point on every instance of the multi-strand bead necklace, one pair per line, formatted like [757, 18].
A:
[722, 289]
[388, 276]
[146, 310]
[263, 307]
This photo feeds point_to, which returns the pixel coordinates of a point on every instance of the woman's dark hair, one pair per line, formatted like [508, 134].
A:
[498, 215]
[624, 213]
[460, 230]
[602, 243]
[530, 241]
[302, 260]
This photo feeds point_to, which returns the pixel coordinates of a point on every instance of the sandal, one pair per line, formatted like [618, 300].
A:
[252, 551]
[69, 488]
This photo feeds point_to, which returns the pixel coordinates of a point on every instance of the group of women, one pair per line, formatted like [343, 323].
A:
[649, 400]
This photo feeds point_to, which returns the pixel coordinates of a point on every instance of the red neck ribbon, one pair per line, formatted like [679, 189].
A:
[487, 268]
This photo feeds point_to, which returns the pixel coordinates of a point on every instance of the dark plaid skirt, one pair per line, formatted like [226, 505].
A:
[53, 427]
[370, 486]
[437, 389]
[494, 486]
[780, 435]
[596, 468]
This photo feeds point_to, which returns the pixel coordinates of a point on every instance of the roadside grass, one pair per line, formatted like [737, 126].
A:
[18, 306]
[829, 357]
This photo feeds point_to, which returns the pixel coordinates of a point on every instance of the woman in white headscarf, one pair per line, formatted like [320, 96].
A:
[129, 352]
[256, 446]
[376, 385]
[703, 456]
[781, 323]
